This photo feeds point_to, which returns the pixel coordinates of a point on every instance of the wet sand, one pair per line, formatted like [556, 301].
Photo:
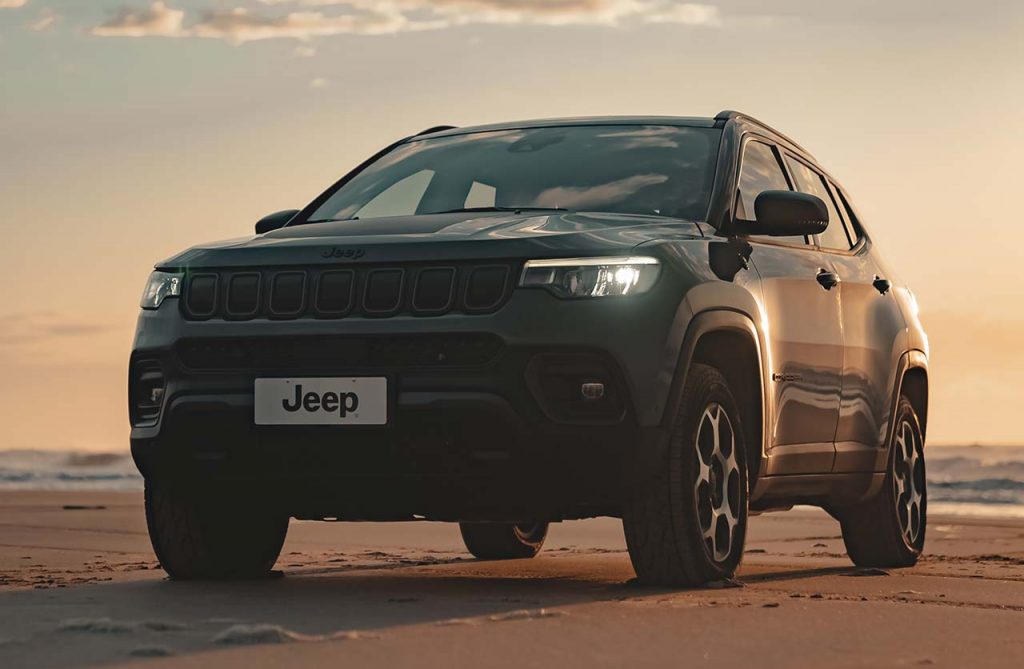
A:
[79, 586]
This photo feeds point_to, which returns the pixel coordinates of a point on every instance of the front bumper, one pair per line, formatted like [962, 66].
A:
[476, 434]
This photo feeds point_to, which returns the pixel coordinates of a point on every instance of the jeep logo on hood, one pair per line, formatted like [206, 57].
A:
[347, 254]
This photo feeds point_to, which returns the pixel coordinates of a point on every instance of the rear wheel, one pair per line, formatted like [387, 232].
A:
[503, 541]
[205, 535]
[888, 529]
[688, 525]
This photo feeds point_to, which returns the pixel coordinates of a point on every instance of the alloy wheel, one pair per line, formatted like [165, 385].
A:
[717, 488]
[909, 482]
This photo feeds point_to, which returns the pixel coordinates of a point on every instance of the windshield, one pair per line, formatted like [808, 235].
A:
[628, 169]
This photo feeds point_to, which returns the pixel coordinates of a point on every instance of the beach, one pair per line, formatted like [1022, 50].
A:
[79, 586]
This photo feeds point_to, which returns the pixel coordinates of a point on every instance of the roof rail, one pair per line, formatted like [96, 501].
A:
[436, 128]
[726, 115]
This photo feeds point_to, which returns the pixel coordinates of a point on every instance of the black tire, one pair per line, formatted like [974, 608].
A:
[210, 536]
[663, 517]
[887, 530]
[503, 541]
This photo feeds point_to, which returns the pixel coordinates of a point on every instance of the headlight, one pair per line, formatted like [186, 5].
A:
[160, 285]
[592, 277]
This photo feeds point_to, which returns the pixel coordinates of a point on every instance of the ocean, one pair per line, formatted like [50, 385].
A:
[962, 480]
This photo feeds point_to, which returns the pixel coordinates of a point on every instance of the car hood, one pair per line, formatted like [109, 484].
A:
[438, 237]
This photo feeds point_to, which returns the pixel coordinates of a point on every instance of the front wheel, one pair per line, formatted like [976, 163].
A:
[503, 541]
[205, 535]
[888, 529]
[687, 525]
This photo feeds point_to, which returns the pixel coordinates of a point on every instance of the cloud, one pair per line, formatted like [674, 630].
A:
[12, 4]
[305, 19]
[544, 12]
[242, 25]
[319, 82]
[159, 20]
[688, 13]
[46, 20]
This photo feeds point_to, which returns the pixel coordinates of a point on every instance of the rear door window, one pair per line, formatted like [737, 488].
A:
[760, 170]
[807, 180]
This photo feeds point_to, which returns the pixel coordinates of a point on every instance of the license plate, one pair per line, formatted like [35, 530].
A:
[322, 401]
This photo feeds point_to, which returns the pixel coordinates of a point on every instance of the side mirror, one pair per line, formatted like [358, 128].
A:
[275, 221]
[783, 213]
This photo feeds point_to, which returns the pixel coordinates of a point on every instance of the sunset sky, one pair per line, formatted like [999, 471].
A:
[130, 129]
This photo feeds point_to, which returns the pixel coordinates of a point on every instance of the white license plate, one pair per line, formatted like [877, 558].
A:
[321, 401]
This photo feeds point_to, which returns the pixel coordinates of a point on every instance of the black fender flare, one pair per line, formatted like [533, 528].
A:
[910, 360]
[708, 322]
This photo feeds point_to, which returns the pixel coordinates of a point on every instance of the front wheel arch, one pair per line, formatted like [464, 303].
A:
[729, 341]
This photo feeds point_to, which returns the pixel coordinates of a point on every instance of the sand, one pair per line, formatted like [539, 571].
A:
[79, 586]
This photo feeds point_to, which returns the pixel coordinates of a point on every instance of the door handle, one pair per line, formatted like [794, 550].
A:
[881, 285]
[827, 279]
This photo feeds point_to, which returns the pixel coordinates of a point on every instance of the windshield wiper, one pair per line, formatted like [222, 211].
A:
[514, 210]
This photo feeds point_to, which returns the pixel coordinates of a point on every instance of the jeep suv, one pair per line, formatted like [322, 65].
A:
[674, 321]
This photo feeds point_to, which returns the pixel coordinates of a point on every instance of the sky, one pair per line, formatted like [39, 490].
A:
[131, 129]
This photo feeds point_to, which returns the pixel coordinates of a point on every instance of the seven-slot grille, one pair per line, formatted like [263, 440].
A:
[373, 292]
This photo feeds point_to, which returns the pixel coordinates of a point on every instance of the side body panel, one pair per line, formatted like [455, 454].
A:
[875, 337]
[805, 352]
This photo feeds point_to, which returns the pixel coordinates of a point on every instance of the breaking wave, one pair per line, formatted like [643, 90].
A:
[64, 470]
[975, 477]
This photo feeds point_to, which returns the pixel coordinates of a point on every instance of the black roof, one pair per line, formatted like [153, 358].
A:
[718, 120]
[695, 122]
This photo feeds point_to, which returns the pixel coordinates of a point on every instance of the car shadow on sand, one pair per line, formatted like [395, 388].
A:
[100, 624]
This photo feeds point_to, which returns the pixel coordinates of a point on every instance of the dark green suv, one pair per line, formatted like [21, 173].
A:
[675, 321]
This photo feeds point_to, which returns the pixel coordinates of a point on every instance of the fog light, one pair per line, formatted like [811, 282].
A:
[575, 388]
[147, 387]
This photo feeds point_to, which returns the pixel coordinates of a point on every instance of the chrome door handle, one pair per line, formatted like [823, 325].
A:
[827, 279]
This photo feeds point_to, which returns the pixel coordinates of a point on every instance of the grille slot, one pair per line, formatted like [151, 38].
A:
[486, 287]
[288, 294]
[334, 292]
[374, 292]
[243, 298]
[383, 293]
[434, 287]
[202, 295]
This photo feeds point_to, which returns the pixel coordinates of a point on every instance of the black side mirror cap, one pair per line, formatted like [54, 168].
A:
[783, 213]
[275, 221]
